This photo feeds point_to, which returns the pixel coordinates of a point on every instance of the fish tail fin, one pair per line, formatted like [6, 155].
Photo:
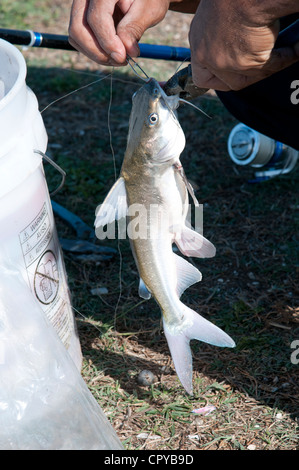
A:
[194, 327]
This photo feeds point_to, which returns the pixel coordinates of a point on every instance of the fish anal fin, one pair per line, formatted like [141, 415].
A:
[192, 243]
[187, 274]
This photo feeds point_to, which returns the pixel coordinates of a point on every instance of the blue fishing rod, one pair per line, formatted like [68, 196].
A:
[30, 38]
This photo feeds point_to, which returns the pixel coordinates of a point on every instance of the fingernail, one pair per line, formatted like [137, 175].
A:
[135, 51]
[117, 57]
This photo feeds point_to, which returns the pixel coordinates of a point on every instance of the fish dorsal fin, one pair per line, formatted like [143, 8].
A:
[192, 243]
[114, 206]
[187, 274]
[144, 293]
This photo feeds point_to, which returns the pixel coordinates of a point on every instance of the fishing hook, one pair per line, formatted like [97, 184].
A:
[134, 66]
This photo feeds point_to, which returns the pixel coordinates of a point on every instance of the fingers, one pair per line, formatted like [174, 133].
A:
[142, 14]
[107, 30]
[230, 51]
[85, 23]
[204, 78]
[281, 58]
[224, 80]
[101, 21]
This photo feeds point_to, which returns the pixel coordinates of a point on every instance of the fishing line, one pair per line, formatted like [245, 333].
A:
[115, 177]
[87, 320]
[178, 68]
[112, 151]
[109, 126]
[94, 74]
[129, 60]
[74, 91]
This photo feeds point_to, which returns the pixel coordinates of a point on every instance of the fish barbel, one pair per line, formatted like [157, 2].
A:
[152, 184]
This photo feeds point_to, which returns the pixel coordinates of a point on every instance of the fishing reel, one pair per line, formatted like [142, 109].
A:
[248, 147]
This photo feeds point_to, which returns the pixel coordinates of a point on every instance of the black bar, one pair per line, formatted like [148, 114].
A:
[23, 38]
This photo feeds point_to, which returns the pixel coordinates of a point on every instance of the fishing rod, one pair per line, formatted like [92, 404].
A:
[30, 38]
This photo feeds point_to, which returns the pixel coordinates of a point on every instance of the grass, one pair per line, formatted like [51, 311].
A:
[249, 288]
[20, 15]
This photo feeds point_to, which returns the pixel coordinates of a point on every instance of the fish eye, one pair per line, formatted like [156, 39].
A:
[153, 119]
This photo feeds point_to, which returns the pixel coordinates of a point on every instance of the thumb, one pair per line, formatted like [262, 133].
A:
[141, 16]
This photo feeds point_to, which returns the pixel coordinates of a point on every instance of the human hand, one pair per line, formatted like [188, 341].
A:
[232, 46]
[107, 30]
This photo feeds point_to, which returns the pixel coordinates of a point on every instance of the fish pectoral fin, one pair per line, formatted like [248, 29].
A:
[187, 274]
[192, 243]
[144, 293]
[114, 206]
[178, 341]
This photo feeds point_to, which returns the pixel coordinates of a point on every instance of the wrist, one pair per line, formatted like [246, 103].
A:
[184, 6]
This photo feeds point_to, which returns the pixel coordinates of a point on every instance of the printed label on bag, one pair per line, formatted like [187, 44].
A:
[35, 237]
[46, 278]
[41, 253]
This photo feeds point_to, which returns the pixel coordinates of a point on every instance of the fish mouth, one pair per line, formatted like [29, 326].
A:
[157, 93]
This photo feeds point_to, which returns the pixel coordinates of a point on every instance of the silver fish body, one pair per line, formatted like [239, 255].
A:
[153, 194]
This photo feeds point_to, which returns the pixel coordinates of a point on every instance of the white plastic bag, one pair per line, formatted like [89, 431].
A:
[44, 402]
